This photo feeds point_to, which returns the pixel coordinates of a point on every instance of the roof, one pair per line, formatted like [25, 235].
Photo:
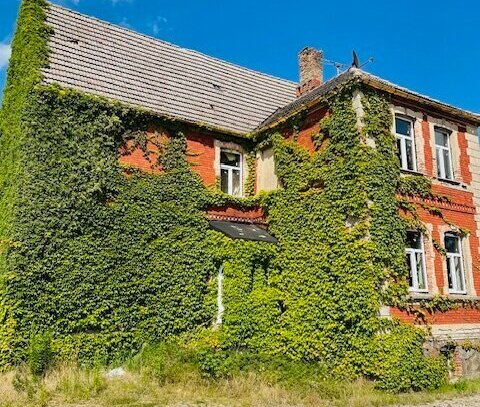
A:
[114, 62]
[356, 74]
[111, 61]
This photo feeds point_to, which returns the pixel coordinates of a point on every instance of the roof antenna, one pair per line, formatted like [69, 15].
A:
[356, 62]
[337, 65]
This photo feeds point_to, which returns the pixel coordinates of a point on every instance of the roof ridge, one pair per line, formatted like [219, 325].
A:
[361, 73]
[351, 74]
[150, 37]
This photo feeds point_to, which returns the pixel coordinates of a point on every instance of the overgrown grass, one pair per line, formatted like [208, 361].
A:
[170, 375]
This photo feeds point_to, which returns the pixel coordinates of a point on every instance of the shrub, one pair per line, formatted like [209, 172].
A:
[398, 362]
[166, 362]
[40, 353]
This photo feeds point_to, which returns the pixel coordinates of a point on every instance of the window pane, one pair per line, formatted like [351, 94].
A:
[439, 163]
[414, 240]
[441, 138]
[409, 145]
[452, 244]
[422, 284]
[224, 181]
[449, 273]
[459, 273]
[236, 182]
[402, 126]
[409, 267]
[231, 159]
[399, 151]
[446, 164]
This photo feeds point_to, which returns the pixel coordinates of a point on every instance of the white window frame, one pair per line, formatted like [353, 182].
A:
[403, 144]
[413, 266]
[450, 259]
[230, 169]
[448, 149]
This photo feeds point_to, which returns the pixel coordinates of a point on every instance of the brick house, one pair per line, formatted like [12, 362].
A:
[225, 107]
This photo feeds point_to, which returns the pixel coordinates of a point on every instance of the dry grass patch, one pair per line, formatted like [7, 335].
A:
[69, 385]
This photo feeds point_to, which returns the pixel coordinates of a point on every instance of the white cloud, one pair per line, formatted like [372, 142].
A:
[77, 2]
[5, 52]
[115, 2]
[159, 24]
[124, 23]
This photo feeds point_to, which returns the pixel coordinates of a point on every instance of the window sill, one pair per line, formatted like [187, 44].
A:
[410, 172]
[451, 296]
[414, 293]
[449, 181]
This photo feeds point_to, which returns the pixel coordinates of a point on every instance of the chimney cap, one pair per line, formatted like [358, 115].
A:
[310, 49]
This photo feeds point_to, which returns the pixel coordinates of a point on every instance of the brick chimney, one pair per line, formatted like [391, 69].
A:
[311, 70]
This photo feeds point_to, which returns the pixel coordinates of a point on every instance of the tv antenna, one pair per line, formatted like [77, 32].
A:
[356, 61]
[340, 66]
[337, 65]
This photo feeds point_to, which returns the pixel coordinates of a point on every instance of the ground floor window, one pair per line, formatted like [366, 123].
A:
[455, 269]
[416, 262]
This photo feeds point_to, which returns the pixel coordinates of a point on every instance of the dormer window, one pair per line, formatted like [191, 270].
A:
[405, 143]
[231, 172]
[443, 154]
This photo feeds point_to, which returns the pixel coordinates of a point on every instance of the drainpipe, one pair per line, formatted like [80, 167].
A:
[220, 306]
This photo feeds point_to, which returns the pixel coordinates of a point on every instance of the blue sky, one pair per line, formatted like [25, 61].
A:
[432, 47]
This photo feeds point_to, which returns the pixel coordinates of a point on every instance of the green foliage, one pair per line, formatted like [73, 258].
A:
[109, 261]
[165, 361]
[169, 362]
[415, 185]
[398, 362]
[28, 57]
[40, 353]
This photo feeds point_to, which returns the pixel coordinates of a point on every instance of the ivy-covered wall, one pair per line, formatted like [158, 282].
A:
[107, 261]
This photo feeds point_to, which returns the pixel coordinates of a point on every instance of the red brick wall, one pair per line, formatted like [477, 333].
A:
[456, 316]
[428, 153]
[460, 211]
[135, 157]
[201, 154]
[464, 158]
[308, 128]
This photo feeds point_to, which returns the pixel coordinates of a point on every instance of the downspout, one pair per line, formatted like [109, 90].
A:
[220, 306]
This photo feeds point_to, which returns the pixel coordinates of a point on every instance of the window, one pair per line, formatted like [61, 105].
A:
[231, 172]
[405, 143]
[444, 156]
[416, 262]
[455, 272]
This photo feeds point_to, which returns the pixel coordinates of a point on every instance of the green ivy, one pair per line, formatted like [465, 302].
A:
[106, 262]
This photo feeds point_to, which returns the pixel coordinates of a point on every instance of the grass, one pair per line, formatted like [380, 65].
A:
[70, 385]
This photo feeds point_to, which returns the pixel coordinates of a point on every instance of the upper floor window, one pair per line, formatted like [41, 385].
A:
[455, 271]
[444, 155]
[231, 172]
[405, 143]
[416, 262]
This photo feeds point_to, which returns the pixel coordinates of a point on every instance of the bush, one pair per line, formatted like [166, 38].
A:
[166, 361]
[398, 362]
[40, 353]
